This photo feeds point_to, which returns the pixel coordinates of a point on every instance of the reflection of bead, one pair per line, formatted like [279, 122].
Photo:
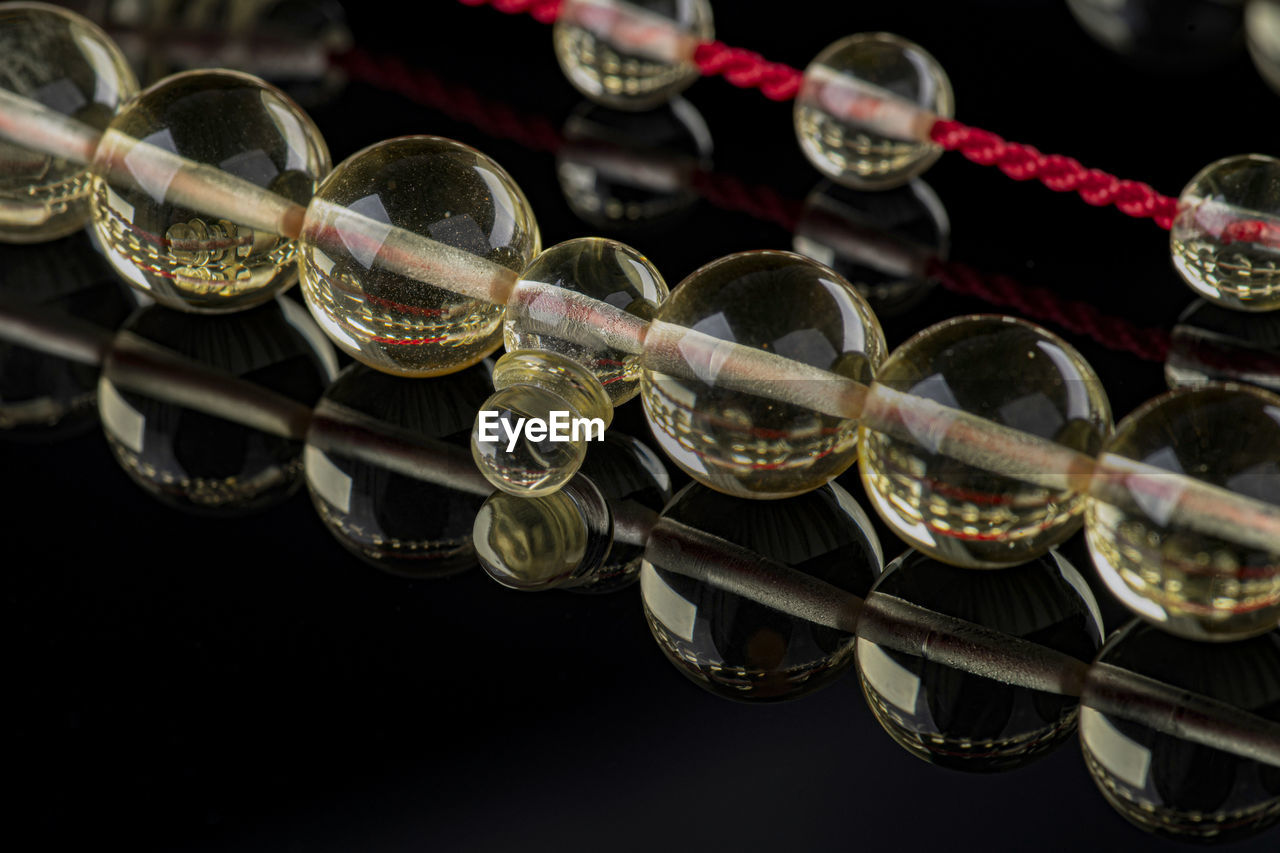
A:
[747, 444]
[1009, 372]
[157, 161]
[866, 107]
[1262, 34]
[1212, 344]
[70, 68]
[199, 461]
[715, 583]
[975, 722]
[1193, 584]
[622, 170]
[533, 385]
[1226, 238]
[540, 318]
[403, 525]
[883, 243]
[395, 218]
[631, 54]
[1169, 37]
[1167, 784]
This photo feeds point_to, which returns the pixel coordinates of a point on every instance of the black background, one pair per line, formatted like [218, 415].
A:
[179, 683]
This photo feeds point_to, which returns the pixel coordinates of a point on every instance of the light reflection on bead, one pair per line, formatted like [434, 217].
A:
[972, 722]
[1225, 240]
[151, 223]
[1262, 35]
[1192, 584]
[866, 107]
[738, 442]
[631, 54]
[70, 67]
[1172, 786]
[420, 200]
[1013, 374]
[713, 564]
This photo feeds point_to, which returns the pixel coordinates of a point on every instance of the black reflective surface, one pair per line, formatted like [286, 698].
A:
[190, 683]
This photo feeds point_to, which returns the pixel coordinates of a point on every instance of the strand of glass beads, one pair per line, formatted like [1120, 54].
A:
[874, 110]
[410, 250]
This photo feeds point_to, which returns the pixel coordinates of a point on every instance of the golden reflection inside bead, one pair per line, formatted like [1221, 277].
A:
[865, 109]
[631, 54]
[1011, 373]
[66, 65]
[1190, 583]
[409, 252]
[726, 435]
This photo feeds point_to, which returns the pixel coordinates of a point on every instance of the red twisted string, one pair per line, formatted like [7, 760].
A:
[545, 11]
[748, 70]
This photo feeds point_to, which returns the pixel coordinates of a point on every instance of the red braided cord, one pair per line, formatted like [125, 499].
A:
[779, 82]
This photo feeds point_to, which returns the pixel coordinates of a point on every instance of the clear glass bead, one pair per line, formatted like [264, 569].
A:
[411, 523]
[545, 311]
[1153, 774]
[967, 721]
[732, 589]
[194, 459]
[709, 417]
[586, 537]
[625, 171]
[409, 251]
[1167, 37]
[631, 54]
[1191, 583]
[1009, 372]
[532, 435]
[196, 183]
[45, 397]
[884, 243]
[866, 107]
[1212, 344]
[69, 68]
[1225, 239]
[1262, 35]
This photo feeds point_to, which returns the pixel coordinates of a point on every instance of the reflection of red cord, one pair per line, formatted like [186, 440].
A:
[761, 202]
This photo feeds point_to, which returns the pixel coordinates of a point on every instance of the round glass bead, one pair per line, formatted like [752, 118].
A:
[69, 68]
[542, 315]
[411, 526]
[409, 251]
[1196, 585]
[193, 459]
[195, 184]
[623, 170]
[567, 402]
[1212, 344]
[1149, 771]
[1009, 372]
[883, 243]
[866, 107]
[1262, 35]
[967, 721]
[631, 54]
[46, 397]
[724, 583]
[753, 444]
[1167, 37]
[1225, 240]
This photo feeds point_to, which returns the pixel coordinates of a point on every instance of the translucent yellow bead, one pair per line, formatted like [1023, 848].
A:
[196, 185]
[866, 107]
[726, 585]
[631, 54]
[409, 252]
[1225, 239]
[963, 720]
[67, 66]
[411, 526]
[1011, 373]
[1148, 767]
[1193, 584]
[747, 442]
[546, 310]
